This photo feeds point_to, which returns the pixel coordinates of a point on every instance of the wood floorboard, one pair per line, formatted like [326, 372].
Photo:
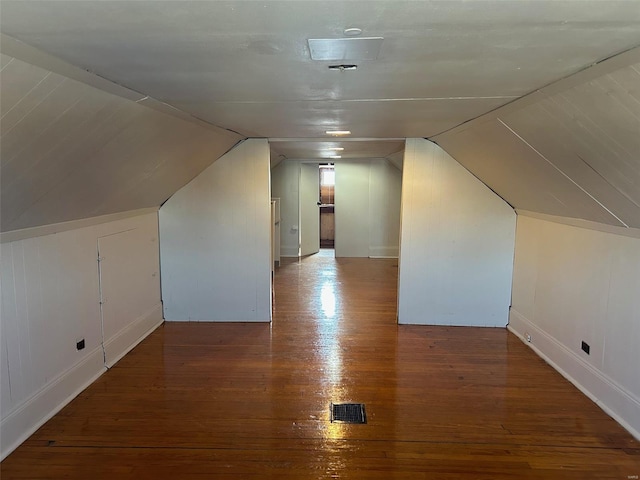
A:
[248, 401]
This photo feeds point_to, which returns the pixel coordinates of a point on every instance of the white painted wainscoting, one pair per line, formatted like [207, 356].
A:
[573, 284]
[50, 282]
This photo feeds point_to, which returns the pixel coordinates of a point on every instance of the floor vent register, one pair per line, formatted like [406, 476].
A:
[348, 413]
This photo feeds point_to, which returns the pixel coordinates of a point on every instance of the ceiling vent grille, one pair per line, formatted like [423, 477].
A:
[365, 48]
[342, 68]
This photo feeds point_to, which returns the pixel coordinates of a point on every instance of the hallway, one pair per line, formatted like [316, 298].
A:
[238, 401]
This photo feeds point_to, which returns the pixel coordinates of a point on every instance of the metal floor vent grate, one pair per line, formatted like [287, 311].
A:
[348, 413]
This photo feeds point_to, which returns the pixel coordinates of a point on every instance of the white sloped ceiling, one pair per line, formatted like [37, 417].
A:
[70, 151]
[569, 150]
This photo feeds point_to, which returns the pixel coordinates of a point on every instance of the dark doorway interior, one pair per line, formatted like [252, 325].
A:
[327, 206]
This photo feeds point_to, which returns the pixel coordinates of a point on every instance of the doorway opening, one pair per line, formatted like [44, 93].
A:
[327, 207]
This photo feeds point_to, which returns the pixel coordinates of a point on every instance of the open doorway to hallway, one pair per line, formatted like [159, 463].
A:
[360, 211]
[327, 209]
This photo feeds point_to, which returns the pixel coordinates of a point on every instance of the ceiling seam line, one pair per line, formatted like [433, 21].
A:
[563, 174]
[22, 98]
[360, 100]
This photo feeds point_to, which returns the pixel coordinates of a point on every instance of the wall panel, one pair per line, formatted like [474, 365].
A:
[215, 241]
[50, 299]
[285, 185]
[352, 208]
[385, 193]
[456, 244]
[367, 212]
[574, 284]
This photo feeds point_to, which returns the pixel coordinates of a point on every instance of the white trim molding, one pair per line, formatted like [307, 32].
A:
[618, 403]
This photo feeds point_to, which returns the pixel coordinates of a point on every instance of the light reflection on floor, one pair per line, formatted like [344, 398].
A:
[328, 332]
[328, 300]
[321, 291]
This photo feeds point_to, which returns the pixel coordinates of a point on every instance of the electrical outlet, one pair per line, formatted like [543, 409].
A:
[80, 344]
[585, 347]
[527, 337]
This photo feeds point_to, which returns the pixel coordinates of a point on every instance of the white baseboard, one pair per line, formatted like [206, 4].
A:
[20, 424]
[215, 321]
[617, 402]
[384, 252]
[289, 251]
[126, 339]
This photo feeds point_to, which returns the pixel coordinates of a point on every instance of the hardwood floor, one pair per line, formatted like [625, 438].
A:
[237, 401]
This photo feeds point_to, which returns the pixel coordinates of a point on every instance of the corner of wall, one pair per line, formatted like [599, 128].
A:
[571, 284]
[618, 403]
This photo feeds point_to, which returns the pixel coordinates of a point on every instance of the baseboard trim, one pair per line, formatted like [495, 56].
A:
[23, 422]
[384, 252]
[614, 400]
[289, 251]
[20, 424]
[129, 337]
[215, 321]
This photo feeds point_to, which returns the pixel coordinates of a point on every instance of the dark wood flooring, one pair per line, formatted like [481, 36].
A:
[245, 401]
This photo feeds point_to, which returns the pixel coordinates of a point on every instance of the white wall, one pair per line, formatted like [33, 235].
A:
[367, 213]
[573, 284]
[385, 193]
[50, 298]
[309, 209]
[285, 184]
[367, 208]
[456, 245]
[352, 209]
[215, 241]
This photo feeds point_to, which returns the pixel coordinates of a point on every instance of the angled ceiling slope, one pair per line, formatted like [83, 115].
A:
[71, 151]
[568, 150]
[246, 65]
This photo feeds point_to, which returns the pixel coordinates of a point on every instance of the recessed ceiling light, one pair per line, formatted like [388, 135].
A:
[338, 132]
[337, 149]
[352, 32]
[335, 156]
